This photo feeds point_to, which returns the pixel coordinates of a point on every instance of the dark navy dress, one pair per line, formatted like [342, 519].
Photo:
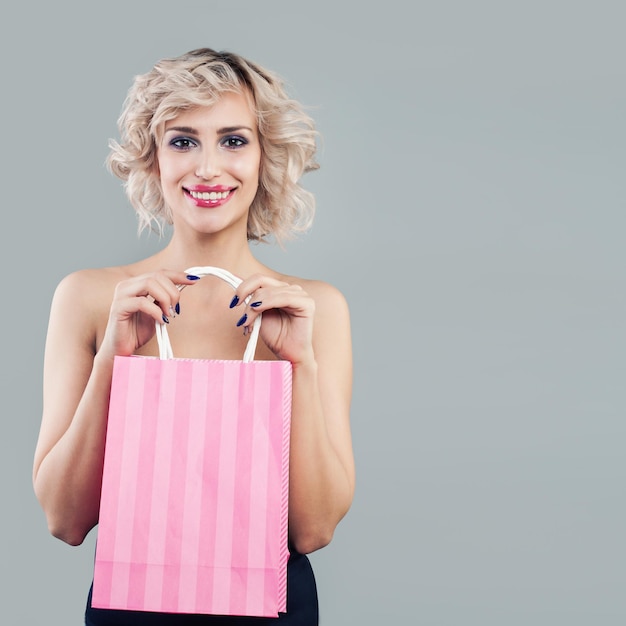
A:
[302, 607]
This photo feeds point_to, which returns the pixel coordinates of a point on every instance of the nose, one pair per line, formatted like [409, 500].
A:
[208, 165]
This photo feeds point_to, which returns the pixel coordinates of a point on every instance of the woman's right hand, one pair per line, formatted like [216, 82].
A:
[138, 303]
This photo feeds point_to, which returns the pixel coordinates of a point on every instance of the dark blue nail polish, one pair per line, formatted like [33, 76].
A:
[256, 304]
[192, 277]
[234, 302]
[243, 319]
[177, 308]
[165, 319]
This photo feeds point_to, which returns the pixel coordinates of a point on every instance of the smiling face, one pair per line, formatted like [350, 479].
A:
[209, 160]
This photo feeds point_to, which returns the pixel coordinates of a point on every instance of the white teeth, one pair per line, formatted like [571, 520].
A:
[206, 195]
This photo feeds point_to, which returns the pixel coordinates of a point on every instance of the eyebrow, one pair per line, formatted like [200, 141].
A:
[220, 131]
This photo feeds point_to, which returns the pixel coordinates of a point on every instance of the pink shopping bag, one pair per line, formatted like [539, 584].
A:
[193, 513]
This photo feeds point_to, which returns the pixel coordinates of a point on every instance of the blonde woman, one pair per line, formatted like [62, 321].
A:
[213, 146]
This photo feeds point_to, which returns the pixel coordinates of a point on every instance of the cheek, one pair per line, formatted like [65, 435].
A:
[162, 167]
[169, 170]
[249, 168]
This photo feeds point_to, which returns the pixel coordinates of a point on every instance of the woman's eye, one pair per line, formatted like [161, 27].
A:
[182, 143]
[233, 141]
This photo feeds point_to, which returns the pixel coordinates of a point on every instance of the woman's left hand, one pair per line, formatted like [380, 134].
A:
[288, 313]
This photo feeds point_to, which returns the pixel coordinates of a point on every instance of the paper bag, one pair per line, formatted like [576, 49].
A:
[193, 513]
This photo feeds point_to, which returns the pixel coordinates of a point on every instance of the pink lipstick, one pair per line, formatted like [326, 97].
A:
[209, 196]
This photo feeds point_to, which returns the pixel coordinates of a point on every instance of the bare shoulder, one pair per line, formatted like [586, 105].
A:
[90, 288]
[85, 297]
[327, 297]
[93, 285]
[332, 342]
[332, 313]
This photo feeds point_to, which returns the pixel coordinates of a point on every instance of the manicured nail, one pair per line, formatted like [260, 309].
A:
[256, 304]
[165, 319]
[177, 308]
[234, 302]
[242, 320]
[192, 277]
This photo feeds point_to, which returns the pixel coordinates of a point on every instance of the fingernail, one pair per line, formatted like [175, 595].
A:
[177, 308]
[192, 277]
[165, 319]
[234, 302]
[242, 320]
[256, 304]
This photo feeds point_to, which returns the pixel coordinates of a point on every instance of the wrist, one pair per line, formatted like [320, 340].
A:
[103, 361]
[305, 365]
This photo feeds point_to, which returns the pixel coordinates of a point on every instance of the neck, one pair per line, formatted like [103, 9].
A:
[232, 254]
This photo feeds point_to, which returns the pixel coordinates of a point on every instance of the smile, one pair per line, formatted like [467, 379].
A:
[209, 195]
[209, 198]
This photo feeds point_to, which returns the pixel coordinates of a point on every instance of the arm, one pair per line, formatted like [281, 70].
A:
[69, 455]
[322, 465]
[67, 473]
[313, 332]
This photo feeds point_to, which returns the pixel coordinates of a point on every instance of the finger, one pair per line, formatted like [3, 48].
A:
[252, 310]
[292, 300]
[286, 297]
[163, 293]
[161, 288]
[181, 279]
[244, 294]
[152, 309]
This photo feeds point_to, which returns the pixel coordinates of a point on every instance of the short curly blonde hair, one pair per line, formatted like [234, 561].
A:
[282, 207]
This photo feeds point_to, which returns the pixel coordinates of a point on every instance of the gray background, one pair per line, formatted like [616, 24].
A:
[471, 208]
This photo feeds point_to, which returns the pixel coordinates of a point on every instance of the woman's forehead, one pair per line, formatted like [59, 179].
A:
[229, 109]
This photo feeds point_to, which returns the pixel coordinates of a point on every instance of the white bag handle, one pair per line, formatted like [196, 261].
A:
[165, 347]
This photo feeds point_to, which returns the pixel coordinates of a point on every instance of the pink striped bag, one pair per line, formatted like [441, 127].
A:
[193, 513]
